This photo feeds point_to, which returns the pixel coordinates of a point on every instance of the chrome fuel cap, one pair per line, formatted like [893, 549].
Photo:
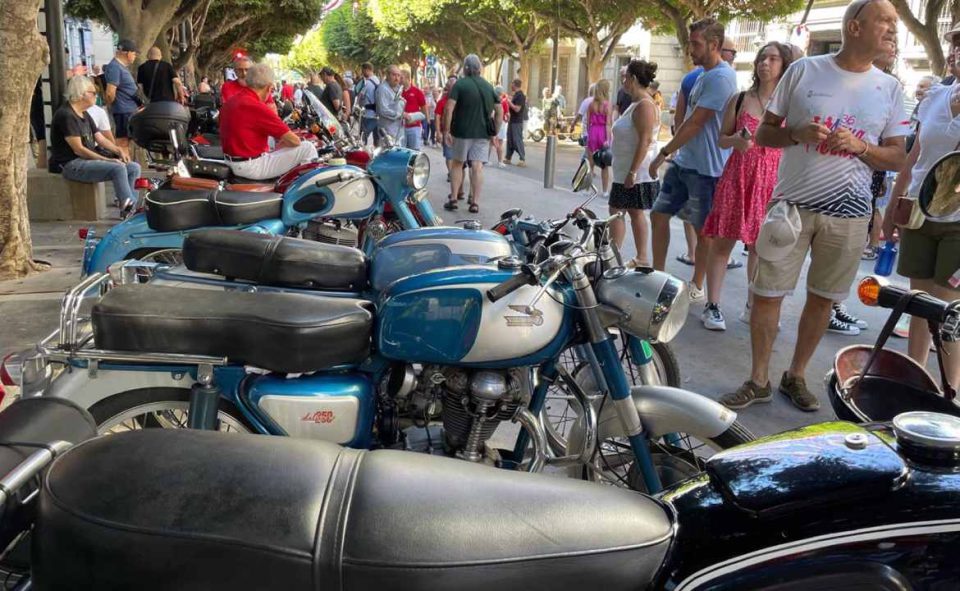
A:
[928, 436]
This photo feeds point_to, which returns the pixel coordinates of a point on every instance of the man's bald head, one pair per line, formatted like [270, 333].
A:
[728, 51]
[154, 53]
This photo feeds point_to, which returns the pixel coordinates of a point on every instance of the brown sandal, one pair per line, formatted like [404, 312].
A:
[474, 208]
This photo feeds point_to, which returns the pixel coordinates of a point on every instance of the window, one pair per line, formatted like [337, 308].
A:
[744, 33]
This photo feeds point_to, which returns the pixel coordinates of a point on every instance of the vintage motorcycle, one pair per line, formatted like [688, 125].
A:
[831, 506]
[389, 194]
[449, 362]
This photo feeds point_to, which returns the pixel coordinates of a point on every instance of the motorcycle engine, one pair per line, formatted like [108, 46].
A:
[472, 403]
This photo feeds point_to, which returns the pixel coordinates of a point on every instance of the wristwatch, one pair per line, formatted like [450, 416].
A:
[664, 153]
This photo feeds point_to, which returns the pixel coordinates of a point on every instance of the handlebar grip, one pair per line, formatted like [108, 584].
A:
[922, 305]
[509, 286]
[332, 180]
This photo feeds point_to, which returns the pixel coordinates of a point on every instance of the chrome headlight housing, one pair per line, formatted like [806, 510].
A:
[652, 304]
[418, 171]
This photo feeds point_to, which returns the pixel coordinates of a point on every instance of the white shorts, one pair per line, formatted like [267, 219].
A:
[502, 134]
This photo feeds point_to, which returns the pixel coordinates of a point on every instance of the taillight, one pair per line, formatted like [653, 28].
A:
[83, 233]
[501, 229]
[142, 183]
[5, 378]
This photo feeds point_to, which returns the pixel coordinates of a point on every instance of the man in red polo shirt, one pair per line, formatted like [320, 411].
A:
[241, 65]
[246, 123]
[415, 103]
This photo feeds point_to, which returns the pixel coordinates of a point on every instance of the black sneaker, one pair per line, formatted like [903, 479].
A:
[841, 313]
[840, 327]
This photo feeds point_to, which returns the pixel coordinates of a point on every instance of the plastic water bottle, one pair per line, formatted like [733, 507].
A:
[888, 254]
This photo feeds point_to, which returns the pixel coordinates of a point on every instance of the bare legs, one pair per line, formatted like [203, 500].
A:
[700, 262]
[660, 231]
[456, 178]
[919, 345]
[605, 180]
[638, 223]
[476, 181]
[763, 332]
[720, 250]
[690, 233]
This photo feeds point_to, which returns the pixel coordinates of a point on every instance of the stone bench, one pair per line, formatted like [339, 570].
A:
[50, 197]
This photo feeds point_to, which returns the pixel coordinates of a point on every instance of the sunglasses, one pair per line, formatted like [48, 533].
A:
[859, 10]
[730, 51]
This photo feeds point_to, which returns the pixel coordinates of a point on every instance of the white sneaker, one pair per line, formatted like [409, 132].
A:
[712, 318]
[696, 294]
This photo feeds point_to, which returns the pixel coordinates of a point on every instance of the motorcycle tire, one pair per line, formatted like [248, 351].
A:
[153, 408]
[168, 256]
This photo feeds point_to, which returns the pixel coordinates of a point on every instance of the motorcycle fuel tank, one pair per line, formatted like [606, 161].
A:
[445, 317]
[351, 198]
[416, 251]
[337, 408]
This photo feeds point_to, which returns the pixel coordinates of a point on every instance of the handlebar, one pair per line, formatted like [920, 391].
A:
[527, 276]
[922, 305]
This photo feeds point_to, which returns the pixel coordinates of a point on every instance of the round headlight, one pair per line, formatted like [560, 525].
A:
[654, 305]
[418, 171]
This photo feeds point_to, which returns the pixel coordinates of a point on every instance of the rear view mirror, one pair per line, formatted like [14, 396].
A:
[940, 192]
[582, 179]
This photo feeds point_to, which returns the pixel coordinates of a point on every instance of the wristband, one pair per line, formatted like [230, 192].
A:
[866, 148]
[664, 153]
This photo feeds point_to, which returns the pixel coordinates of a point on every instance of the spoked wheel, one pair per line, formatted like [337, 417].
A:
[676, 457]
[166, 256]
[158, 408]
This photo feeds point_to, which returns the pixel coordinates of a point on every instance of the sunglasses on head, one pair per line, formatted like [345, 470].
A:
[860, 9]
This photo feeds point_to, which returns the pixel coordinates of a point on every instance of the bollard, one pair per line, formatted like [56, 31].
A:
[550, 162]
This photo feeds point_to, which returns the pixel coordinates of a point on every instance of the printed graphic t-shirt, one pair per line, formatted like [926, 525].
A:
[869, 103]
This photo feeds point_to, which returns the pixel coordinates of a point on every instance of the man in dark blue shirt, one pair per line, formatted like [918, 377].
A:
[121, 92]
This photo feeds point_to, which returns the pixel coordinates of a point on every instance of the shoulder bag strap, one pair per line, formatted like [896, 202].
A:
[736, 109]
[153, 80]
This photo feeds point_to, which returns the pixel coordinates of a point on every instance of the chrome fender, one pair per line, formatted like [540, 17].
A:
[662, 410]
[79, 386]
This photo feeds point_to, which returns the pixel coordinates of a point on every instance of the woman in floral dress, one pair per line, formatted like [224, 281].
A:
[746, 185]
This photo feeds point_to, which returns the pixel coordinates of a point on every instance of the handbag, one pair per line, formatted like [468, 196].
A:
[907, 213]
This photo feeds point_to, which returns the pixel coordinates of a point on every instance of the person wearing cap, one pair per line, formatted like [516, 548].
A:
[246, 124]
[828, 113]
[121, 93]
[930, 254]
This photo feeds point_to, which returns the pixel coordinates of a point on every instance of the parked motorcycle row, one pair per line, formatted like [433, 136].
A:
[405, 387]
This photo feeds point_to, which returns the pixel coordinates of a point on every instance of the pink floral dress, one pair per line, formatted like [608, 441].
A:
[744, 190]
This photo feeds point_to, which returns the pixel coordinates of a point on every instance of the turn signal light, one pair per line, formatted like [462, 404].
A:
[141, 183]
[5, 378]
[869, 290]
[501, 229]
[83, 232]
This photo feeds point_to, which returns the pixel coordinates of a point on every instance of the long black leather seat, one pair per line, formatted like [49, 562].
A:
[283, 332]
[170, 210]
[164, 509]
[275, 260]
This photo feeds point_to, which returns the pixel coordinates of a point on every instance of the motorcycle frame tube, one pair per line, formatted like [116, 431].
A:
[620, 392]
[548, 375]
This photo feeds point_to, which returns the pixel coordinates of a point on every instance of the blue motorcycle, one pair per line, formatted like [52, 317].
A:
[434, 362]
[388, 195]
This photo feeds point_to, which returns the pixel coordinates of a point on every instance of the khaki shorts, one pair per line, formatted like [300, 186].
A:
[835, 246]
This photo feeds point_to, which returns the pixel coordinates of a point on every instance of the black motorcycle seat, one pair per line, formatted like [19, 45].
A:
[275, 260]
[209, 152]
[185, 509]
[171, 210]
[26, 426]
[242, 180]
[282, 332]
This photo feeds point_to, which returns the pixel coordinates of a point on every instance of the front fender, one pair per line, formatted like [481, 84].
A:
[666, 410]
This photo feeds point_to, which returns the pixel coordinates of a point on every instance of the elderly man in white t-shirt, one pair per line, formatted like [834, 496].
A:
[837, 108]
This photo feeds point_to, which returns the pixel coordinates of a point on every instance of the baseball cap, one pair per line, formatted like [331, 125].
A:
[948, 36]
[779, 232]
[127, 45]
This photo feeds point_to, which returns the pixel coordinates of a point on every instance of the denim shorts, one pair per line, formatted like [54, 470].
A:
[687, 190]
[121, 123]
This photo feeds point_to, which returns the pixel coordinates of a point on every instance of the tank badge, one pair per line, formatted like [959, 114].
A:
[531, 317]
[320, 416]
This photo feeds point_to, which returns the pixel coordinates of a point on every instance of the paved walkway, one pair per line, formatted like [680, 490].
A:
[711, 363]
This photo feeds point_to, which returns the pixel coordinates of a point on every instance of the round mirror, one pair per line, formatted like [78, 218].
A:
[940, 192]
[582, 179]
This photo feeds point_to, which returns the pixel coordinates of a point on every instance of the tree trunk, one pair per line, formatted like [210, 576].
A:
[925, 30]
[594, 61]
[140, 21]
[526, 63]
[23, 52]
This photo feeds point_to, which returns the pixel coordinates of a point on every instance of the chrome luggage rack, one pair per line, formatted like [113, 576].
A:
[73, 339]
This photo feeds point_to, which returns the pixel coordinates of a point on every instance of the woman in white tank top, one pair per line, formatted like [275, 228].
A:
[634, 148]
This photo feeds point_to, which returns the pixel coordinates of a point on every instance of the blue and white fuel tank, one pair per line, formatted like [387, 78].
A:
[411, 252]
[445, 317]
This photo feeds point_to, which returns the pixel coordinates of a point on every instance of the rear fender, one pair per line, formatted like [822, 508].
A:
[87, 388]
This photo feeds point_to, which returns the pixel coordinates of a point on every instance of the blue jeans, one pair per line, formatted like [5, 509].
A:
[368, 128]
[93, 171]
[414, 137]
[687, 192]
